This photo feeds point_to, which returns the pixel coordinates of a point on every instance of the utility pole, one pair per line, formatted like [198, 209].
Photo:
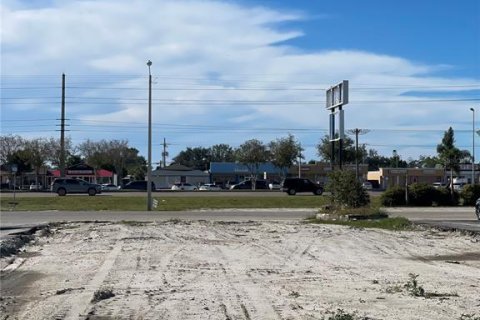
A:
[473, 146]
[164, 153]
[299, 166]
[149, 164]
[62, 131]
[356, 132]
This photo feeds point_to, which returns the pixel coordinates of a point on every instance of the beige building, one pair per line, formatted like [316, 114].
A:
[319, 171]
[388, 177]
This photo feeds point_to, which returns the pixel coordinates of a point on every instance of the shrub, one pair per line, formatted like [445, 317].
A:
[394, 196]
[346, 190]
[421, 194]
[470, 194]
[443, 197]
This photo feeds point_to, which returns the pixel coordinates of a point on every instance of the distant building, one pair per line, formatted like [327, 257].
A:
[164, 178]
[227, 173]
[386, 178]
[319, 171]
[85, 172]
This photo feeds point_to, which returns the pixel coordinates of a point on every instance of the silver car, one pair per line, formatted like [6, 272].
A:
[62, 186]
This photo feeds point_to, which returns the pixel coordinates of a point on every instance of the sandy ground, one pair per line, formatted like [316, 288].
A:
[245, 270]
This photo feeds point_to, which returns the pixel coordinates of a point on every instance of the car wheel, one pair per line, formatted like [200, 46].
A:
[61, 192]
[92, 192]
[318, 192]
[292, 192]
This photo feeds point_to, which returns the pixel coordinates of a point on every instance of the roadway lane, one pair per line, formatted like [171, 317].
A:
[449, 218]
[160, 194]
[445, 217]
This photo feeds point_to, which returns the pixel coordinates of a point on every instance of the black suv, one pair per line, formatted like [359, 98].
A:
[138, 185]
[294, 185]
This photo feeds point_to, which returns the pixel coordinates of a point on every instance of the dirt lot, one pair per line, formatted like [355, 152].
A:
[245, 270]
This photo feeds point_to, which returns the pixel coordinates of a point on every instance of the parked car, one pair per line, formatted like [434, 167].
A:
[109, 187]
[183, 186]
[63, 186]
[210, 187]
[139, 185]
[274, 185]
[367, 185]
[36, 187]
[458, 186]
[477, 208]
[247, 185]
[294, 185]
[437, 185]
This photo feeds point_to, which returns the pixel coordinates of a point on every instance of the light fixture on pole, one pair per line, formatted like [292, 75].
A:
[473, 145]
[149, 162]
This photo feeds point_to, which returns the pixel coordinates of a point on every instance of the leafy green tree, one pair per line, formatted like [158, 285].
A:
[348, 153]
[54, 151]
[424, 162]
[449, 155]
[252, 153]
[114, 155]
[93, 153]
[73, 159]
[376, 161]
[222, 153]
[9, 145]
[196, 158]
[20, 159]
[284, 152]
[36, 152]
[134, 164]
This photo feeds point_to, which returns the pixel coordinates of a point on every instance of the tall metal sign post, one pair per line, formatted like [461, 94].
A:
[337, 97]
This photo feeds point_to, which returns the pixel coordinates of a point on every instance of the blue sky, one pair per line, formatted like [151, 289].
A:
[229, 71]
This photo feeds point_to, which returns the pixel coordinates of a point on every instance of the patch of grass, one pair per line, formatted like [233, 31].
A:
[469, 317]
[139, 203]
[340, 314]
[133, 223]
[414, 289]
[395, 224]
[367, 212]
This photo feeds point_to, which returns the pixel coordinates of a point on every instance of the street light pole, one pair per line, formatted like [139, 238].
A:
[149, 162]
[473, 145]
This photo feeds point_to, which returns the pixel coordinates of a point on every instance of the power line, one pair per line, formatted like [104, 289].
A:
[211, 102]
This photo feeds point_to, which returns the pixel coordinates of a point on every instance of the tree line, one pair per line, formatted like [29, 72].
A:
[117, 156]
[34, 154]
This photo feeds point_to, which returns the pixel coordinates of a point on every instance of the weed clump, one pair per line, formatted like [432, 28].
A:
[340, 314]
[412, 286]
[102, 294]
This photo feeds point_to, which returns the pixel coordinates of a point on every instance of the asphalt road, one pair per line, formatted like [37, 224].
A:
[443, 217]
[459, 218]
[163, 193]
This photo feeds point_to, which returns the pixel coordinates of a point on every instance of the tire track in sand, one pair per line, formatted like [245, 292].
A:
[80, 304]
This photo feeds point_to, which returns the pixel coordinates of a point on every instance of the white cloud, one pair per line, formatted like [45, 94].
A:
[214, 45]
